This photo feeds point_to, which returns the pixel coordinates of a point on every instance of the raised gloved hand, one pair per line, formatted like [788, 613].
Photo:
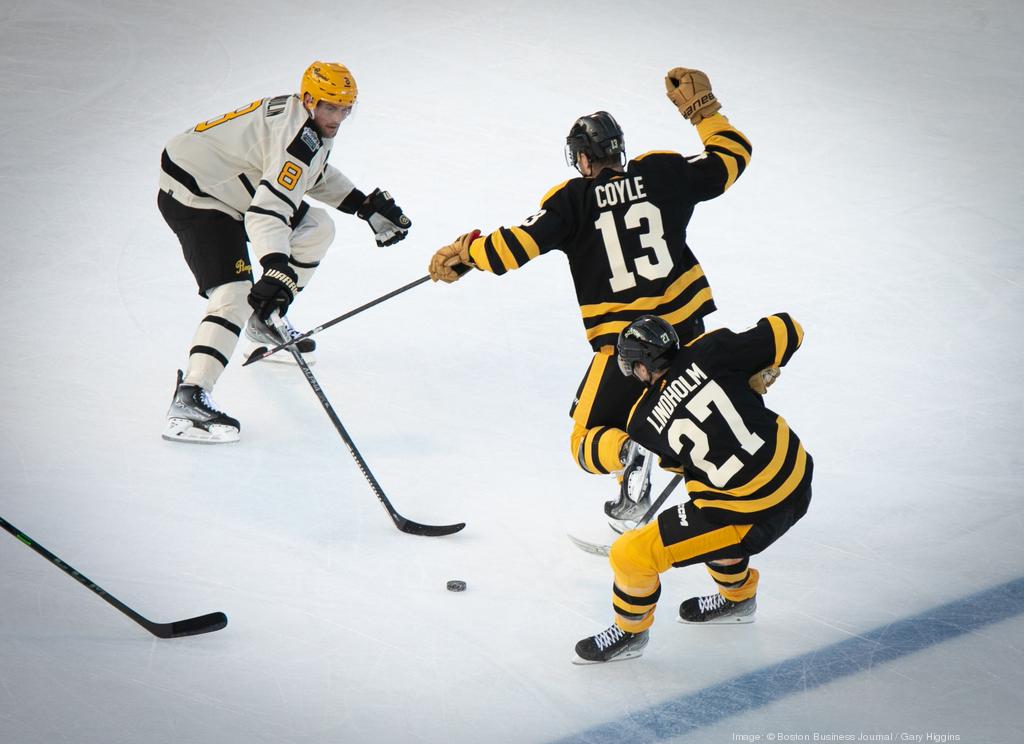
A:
[276, 288]
[386, 219]
[761, 381]
[452, 262]
[690, 91]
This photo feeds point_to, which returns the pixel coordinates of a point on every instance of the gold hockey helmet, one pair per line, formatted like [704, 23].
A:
[331, 82]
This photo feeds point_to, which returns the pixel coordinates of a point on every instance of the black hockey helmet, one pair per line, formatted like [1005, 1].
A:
[650, 340]
[598, 135]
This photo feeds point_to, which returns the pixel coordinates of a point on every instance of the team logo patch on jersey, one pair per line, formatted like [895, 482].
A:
[305, 145]
[310, 138]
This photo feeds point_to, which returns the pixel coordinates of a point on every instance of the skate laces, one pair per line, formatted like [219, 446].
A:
[710, 602]
[606, 638]
[207, 402]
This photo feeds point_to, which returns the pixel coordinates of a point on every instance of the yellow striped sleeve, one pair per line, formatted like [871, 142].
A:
[503, 251]
[727, 143]
[478, 255]
[528, 243]
[778, 326]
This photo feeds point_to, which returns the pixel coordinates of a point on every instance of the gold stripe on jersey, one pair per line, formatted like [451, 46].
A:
[722, 140]
[505, 249]
[789, 485]
[686, 311]
[761, 479]
[498, 243]
[656, 152]
[779, 332]
[529, 244]
[612, 328]
[552, 191]
[787, 335]
[477, 256]
[589, 388]
[638, 402]
[644, 304]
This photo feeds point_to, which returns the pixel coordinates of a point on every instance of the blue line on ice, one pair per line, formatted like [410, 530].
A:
[688, 713]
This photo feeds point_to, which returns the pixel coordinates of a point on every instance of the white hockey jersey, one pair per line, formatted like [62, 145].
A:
[256, 163]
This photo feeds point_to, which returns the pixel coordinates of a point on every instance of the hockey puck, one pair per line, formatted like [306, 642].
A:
[456, 586]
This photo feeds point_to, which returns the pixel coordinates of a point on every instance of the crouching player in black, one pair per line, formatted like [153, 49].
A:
[747, 473]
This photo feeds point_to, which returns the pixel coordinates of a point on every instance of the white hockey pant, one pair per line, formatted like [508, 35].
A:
[228, 309]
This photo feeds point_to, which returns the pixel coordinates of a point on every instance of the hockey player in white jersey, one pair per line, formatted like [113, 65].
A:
[240, 178]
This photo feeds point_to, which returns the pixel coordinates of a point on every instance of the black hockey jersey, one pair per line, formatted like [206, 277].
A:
[740, 458]
[625, 234]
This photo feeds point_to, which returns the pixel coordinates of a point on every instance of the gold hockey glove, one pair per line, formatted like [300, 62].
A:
[690, 91]
[761, 381]
[452, 262]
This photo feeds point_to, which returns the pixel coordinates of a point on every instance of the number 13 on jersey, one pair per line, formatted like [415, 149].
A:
[657, 266]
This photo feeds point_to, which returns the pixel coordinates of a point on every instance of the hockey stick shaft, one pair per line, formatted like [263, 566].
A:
[665, 493]
[403, 524]
[335, 321]
[192, 626]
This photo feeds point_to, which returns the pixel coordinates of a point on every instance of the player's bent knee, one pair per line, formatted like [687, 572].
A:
[231, 301]
[312, 236]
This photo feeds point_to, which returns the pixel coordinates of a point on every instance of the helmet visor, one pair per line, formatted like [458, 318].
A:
[625, 366]
[570, 156]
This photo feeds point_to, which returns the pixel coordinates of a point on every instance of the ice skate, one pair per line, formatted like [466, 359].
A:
[715, 609]
[634, 499]
[266, 337]
[613, 644]
[193, 417]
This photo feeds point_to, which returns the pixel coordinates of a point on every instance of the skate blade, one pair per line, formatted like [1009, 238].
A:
[281, 357]
[182, 430]
[595, 549]
[735, 620]
[580, 661]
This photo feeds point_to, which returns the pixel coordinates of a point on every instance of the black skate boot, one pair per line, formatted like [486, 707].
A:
[634, 499]
[613, 644]
[715, 609]
[264, 336]
[193, 417]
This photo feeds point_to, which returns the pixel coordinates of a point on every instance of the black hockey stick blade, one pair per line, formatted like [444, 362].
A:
[428, 530]
[192, 626]
[403, 524]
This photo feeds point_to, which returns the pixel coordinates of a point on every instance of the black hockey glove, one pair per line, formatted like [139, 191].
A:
[386, 219]
[276, 288]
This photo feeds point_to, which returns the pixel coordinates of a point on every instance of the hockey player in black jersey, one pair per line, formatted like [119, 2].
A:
[622, 226]
[747, 473]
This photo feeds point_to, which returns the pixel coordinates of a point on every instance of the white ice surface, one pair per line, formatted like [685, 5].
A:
[883, 208]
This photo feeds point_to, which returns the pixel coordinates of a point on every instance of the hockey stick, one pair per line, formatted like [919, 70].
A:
[258, 355]
[403, 524]
[192, 626]
[669, 488]
[602, 549]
